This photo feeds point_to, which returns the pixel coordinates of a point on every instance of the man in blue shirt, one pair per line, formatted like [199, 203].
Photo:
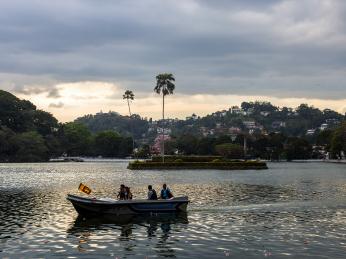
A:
[166, 192]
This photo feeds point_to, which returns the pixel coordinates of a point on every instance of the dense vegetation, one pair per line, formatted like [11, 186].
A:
[274, 146]
[31, 135]
[196, 162]
[124, 125]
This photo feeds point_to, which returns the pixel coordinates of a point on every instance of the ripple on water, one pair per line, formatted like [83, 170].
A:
[285, 211]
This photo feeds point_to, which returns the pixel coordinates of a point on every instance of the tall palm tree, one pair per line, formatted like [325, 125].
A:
[128, 95]
[164, 85]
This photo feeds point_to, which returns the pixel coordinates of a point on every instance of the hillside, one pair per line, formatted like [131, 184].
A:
[124, 125]
[31, 135]
[26, 134]
[261, 117]
[250, 117]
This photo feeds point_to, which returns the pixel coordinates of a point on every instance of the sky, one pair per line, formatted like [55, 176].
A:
[79, 56]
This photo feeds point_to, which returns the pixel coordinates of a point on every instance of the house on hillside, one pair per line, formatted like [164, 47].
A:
[236, 110]
[324, 126]
[310, 132]
[332, 122]
[166, 131]
[223, 113]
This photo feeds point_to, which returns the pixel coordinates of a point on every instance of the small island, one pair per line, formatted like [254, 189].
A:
[196, 162]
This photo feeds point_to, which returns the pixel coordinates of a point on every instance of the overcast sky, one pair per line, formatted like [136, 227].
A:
[76, 57]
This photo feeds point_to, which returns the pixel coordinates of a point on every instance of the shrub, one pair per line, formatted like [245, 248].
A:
[230, 165]
[216, 161]
[186, 158]
[229, 150]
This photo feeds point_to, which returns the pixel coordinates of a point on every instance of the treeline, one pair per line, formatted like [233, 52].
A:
[124, 125]
[31, 135]
[292, 122]
[274, 146]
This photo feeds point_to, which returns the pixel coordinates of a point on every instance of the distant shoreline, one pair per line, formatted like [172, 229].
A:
[120, 160]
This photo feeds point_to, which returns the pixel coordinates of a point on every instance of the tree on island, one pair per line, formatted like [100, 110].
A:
[164, 85]
[230, 150]
[128, 95]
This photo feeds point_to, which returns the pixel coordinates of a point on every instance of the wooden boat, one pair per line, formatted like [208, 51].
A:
[92, 206]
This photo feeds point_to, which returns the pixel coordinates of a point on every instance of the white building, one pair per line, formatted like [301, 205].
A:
[236, 110]
[324, 126]
[310, 132]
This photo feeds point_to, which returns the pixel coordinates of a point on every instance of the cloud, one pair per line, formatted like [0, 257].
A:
[275, 48]
[81, 98]
[29, 90]
[56, 105]
[54, 93]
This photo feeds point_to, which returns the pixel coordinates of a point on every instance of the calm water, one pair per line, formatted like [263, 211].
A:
[291, 210]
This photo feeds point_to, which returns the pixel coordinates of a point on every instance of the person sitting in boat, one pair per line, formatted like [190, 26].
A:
[151, 193]
[121, 194]
[128, 194]
[166, 192]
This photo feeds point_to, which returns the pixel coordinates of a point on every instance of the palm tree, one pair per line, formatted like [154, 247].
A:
[128, 95]
[164, 85]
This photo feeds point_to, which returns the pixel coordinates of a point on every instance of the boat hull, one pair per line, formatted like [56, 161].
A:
[90, 206]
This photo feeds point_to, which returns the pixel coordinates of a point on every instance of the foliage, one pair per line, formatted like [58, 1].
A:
[128, 95]
[106, 143]
[297, 148]
[76, 139]
[30, 147]
[229, 150]
[143, 152]
[164, 84]
[7, 148]
[29, 134]
[21, 116]
[338, 141]
[230, 165]
[115, 122]
[186, 158]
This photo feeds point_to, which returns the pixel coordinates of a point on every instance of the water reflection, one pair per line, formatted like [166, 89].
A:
[296, 210]
[128, 228]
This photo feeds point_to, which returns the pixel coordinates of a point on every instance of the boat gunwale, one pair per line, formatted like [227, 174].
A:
[80, 199]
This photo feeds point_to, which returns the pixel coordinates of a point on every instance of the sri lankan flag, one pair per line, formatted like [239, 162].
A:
[84, 188]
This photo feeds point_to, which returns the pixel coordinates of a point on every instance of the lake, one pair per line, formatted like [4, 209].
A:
[291, 210]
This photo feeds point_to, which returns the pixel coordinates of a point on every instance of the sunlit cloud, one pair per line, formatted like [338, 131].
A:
[80, 98]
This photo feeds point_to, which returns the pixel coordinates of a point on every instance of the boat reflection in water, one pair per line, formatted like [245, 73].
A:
[126, 229]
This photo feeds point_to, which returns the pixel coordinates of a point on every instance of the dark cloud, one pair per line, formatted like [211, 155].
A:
[29, 90]
[54, 93]
[56, 105]
[278, 48]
